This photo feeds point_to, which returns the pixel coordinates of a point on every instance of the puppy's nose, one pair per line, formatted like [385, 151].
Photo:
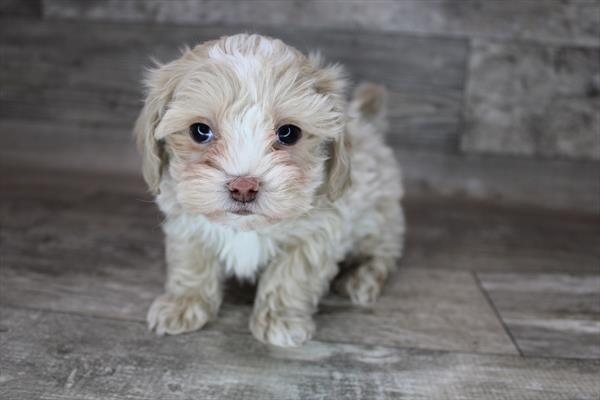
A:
[243, 188]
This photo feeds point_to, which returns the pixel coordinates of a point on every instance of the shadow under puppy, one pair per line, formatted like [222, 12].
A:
[246, 146]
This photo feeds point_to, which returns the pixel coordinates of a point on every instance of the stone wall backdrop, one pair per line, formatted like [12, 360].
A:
[497, 100]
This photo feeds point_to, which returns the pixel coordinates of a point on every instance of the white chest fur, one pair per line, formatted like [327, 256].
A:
[242, 253]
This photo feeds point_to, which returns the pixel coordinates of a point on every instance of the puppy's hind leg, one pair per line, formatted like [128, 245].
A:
[363, 284]
[377, 258]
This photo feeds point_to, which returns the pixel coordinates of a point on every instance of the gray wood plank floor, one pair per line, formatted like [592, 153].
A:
[94, 358]
[489, 303]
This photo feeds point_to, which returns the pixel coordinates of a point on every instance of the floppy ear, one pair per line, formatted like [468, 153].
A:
[338, 168]
[331, 81]
[160, 85]
[153, 157]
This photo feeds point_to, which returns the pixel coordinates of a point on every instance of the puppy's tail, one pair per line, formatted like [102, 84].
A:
[369, 105]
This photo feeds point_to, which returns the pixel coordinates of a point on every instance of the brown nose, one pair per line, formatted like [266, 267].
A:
[243, 188]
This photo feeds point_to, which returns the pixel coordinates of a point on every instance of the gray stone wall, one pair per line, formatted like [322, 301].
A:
[533, 100]
[493, 99]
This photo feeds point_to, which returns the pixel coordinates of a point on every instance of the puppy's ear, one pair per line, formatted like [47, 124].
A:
[160, 85]
[338, 167]
[331, 81]
[153, 156]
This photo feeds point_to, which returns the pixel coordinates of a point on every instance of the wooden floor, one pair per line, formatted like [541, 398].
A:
[489, 303]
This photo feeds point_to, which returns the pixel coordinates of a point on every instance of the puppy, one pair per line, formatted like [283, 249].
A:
[263, 169]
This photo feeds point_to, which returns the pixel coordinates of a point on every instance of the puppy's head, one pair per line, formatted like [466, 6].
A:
[247, 129]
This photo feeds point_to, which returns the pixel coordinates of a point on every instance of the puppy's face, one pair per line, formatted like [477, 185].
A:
[249, 130]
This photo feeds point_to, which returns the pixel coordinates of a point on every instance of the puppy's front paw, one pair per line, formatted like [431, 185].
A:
[285, 329]
[177, 314]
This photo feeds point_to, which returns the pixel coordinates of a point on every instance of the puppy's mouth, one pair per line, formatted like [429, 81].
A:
[242, 211]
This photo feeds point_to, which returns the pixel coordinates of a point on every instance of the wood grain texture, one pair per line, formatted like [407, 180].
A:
[21, 8]
[92, 78]
[545, 21]
[69, 146]
[550, 315]
[554, 184]
[420, 308]
[101, 254]
[454, 234]
[53, 355]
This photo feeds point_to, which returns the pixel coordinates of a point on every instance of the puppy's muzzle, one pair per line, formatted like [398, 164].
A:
[244, 189]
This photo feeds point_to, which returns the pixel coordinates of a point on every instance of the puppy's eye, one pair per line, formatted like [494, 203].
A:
[201, 133]
[288, 134]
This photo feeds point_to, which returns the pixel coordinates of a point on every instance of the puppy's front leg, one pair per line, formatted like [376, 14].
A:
[193, 289]
[288, 294]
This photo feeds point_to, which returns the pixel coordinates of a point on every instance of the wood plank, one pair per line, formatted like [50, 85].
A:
[99, 69]
[432, 309]
[553, 184]
[53, 355]
[30, 181]
[64, 146]
[454, 234]
[547, 21]
[21, 8]
[86, 259]
[550, 315]
[31, 197]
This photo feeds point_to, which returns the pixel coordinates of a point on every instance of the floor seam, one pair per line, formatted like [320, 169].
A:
[496, 312]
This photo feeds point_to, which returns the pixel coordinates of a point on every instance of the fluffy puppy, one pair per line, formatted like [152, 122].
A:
[246, 145]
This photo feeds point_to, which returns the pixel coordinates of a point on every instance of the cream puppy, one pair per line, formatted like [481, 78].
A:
[246, 145]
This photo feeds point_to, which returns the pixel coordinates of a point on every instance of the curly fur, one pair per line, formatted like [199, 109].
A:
[331, 199]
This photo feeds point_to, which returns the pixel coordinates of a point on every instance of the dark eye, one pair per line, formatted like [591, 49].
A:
[201, 133]
[288, 134]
